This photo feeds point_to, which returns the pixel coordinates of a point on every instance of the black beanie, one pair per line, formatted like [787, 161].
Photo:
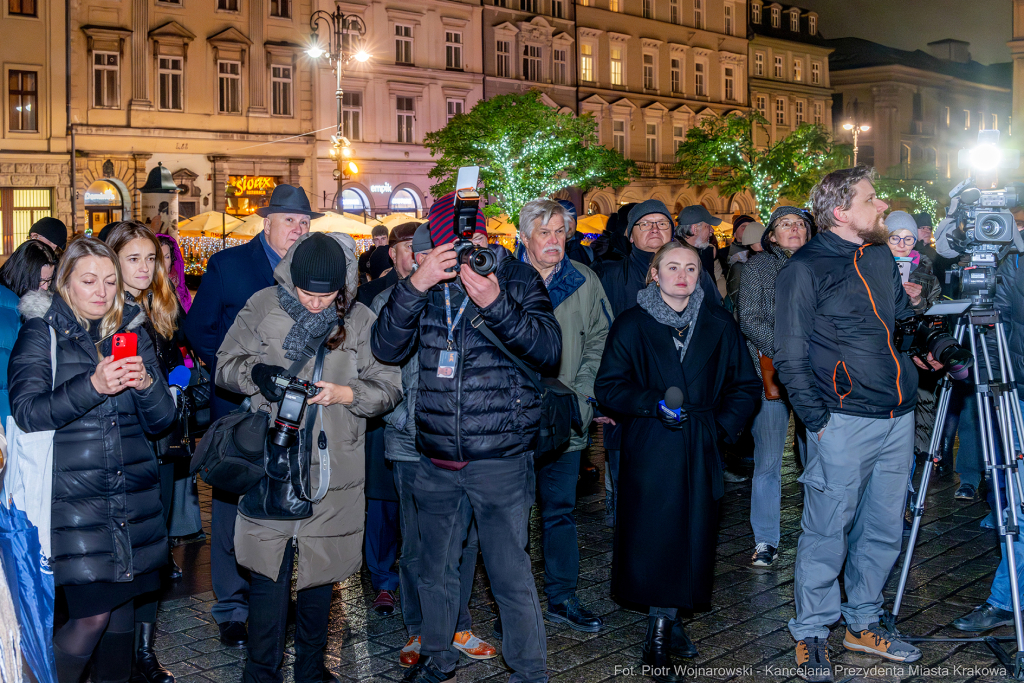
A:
[318, 265]
[52, 229]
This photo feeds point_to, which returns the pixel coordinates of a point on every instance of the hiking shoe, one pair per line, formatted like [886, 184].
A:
[984, 618]
[410, 654]
[471, 646]
[876, 640]
[812, 662]
[574, 615]
[731, 478]
[424, 671]
[764, 555]
[385, 602]
[965, 492]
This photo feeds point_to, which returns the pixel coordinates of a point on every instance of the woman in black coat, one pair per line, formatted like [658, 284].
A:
[670, 476]
[108, 538]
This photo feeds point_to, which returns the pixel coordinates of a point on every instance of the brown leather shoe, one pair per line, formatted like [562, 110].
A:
[410, 654]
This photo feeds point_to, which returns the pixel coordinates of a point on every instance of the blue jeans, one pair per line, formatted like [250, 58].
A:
[999, 595]
[498, 493]
[556, 498]
[968, 457]
[380, 543]
[769, 430]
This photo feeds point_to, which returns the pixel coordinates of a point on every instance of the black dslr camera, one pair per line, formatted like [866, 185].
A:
[293, 405]
[467, 201]
[924, 334]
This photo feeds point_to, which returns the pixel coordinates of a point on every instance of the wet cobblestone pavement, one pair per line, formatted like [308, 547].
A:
[744, 638]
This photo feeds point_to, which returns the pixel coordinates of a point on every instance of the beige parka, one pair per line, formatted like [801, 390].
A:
[330, 542]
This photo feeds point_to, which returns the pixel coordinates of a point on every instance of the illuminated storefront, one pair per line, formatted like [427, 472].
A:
[246, 193]
[106, 200]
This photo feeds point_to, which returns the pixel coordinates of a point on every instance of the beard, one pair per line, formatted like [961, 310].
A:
[876, 233]
[702, 242]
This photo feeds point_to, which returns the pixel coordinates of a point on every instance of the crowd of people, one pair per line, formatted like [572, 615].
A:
[420, 437]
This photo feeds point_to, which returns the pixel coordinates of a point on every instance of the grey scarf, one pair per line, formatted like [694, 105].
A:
[650, 300]
[307, 325]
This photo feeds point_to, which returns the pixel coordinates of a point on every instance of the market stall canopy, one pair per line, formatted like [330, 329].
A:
[398, 218]
[593, 225]
[334, 222]
[500, 225]
[210, 223]
[362, 218]
[248, 228]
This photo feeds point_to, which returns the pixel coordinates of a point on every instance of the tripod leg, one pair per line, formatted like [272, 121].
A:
[918, 505]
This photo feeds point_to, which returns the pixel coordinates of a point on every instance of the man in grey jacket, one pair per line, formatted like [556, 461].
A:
[400, 449]
[584, 315]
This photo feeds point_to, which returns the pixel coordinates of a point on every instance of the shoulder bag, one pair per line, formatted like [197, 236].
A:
[559, 405]
[28, 480]
[283, 493]
[231, 454]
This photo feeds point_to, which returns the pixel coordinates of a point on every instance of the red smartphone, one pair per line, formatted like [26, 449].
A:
[126, 345]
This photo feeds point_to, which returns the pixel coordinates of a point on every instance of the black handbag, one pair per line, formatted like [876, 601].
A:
[284, 492]
[559, 405]
[232, 454]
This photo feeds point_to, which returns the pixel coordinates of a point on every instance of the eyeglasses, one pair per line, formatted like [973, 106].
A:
[647, 226]
[896, 239]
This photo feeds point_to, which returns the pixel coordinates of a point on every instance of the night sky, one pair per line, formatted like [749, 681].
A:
[912, 24]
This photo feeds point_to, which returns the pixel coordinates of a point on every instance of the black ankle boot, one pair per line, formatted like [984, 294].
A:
[655, 651]
[112, 660]
[69, 667]
[146, 665]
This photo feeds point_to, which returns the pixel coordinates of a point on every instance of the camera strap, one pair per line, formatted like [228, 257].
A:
[321, 441]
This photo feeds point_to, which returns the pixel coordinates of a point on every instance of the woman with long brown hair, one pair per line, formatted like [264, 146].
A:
[146, 284]
[279, 328]
[107, 537]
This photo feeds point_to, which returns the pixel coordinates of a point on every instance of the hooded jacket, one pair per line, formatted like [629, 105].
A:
[489, 408]
[836, 306]
[107, 522]
[330, 542]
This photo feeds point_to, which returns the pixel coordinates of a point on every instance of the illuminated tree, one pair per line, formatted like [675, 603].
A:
[525, 150]
[722, 152]
[915, 193]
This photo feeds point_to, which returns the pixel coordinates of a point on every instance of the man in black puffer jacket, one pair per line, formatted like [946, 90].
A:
[477, 418]
[837, 302]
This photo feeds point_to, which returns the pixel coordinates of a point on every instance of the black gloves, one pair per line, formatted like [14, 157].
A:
[669, 420]
[263, 377]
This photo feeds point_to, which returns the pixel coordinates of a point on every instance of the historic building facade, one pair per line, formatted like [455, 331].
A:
[649, 70]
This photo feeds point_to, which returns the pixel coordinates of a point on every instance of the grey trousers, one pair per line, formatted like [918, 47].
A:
[855, 487]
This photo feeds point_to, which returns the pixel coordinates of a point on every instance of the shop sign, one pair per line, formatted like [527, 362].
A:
[381, 189]
[102, 193]
[253, 184]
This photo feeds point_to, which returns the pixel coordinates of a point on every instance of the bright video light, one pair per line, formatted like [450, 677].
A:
[986, 157]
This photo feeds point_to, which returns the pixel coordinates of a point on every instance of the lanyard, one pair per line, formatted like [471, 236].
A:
[448, 312]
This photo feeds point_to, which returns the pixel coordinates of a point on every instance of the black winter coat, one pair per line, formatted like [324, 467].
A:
[670, 482]
[1010, 304]
[107, 522]
[836, 304]
[489, 409]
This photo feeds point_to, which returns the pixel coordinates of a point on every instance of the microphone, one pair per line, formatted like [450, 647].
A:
[970, 196]
[672, 405]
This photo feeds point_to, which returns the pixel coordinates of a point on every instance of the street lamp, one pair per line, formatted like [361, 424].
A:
[343, 30]
[857, 130]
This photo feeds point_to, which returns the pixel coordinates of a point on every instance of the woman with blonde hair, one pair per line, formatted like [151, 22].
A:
[670, 473]
[146, 283]
[108, 540]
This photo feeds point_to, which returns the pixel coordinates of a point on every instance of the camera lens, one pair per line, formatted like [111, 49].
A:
[483, 262]
[283, 435]
[954, 358]
[992, 228]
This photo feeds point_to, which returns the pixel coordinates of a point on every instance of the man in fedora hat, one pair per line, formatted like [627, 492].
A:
[232, 276]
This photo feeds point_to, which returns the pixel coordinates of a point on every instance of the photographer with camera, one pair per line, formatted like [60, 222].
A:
[477, 420]
[312, 308]
[837, 303]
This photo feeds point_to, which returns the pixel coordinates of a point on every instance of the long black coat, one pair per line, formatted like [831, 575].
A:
[670, 482]
[107, 522]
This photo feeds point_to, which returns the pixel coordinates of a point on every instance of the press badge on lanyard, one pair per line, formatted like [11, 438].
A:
[449, 358]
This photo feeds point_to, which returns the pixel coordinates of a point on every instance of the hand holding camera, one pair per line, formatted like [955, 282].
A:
[331, 394]
[436, 267]
[263, 377]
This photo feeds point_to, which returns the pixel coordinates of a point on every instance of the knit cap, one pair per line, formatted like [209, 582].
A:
[900, 220]
[52, 229]
[318, 265]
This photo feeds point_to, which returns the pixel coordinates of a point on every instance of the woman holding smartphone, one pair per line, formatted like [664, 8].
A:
[146, 284]
[108, 539]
